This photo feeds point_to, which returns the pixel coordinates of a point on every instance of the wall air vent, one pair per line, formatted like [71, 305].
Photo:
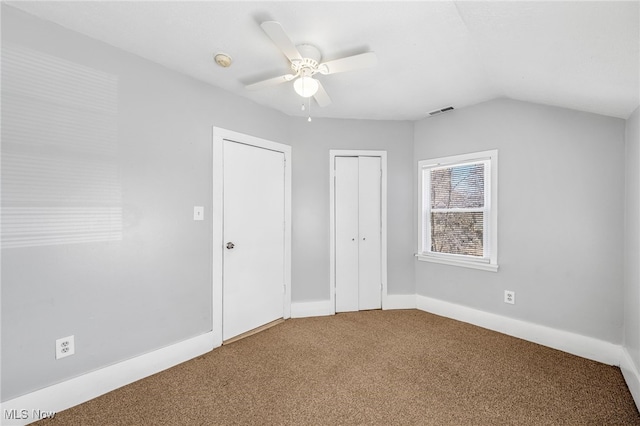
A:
[439, 111]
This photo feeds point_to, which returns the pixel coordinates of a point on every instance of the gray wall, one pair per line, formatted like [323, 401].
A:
[311, 144]
[142, 278]
[560, 232]
[632, 239]
[147, 286]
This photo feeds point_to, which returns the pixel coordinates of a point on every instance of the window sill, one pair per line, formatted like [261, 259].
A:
[456, 262]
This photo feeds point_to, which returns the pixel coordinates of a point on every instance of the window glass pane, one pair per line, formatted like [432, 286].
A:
[457, 233]
[458, 187]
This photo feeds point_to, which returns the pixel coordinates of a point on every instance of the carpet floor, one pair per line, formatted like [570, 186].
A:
[375, 367]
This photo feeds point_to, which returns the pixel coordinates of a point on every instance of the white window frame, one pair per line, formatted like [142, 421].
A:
[489, 262]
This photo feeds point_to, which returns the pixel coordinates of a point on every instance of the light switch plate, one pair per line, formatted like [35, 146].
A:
[198, 213]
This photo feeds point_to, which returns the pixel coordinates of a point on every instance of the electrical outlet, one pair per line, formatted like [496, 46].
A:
[510, 297]
[65, 347]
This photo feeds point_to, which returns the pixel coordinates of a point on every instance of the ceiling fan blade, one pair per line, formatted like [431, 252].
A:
[280, 38]
[350, 63]
[321, 96]
[270, 82]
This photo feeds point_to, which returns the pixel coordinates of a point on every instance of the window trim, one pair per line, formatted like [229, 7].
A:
[489, 263]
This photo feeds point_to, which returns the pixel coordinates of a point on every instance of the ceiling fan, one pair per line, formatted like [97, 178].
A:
[305, 63]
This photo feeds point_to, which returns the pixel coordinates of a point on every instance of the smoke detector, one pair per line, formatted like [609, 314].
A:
[223, 60]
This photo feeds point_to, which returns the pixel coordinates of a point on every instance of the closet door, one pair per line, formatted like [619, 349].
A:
[346, 229]
[357, 233]
[369, 224]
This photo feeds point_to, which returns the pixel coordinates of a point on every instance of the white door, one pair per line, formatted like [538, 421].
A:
[253, 235]
[358, 254]
[347, 238]
[369, 226]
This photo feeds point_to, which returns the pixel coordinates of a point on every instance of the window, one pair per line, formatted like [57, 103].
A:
[458, 210]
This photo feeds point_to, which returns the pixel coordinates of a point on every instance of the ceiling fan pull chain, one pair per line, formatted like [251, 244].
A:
[309, 119]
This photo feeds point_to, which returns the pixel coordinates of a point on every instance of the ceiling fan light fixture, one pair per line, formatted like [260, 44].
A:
[305, 86]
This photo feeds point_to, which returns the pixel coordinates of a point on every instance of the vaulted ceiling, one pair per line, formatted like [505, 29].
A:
[431, 55]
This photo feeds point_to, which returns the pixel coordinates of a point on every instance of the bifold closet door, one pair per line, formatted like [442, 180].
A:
[370, 227]
[357, 233]
[346, 228]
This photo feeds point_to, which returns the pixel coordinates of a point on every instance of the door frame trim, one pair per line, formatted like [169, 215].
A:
[333, 153]
[217, 242]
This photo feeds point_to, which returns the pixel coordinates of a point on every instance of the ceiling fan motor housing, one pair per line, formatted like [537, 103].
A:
[311, 57]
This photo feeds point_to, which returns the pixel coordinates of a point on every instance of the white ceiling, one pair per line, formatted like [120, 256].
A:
[574, 54]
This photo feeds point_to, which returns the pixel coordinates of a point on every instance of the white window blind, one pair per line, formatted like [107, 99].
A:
[457, 209]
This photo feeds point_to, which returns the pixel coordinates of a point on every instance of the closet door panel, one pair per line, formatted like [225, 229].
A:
[369, 223]
[346, 229]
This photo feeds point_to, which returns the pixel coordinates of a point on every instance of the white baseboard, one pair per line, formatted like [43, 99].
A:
[631, 375]
[399, 301]
[311, 309]
[323, 307]
[29, 408]
[576, 344]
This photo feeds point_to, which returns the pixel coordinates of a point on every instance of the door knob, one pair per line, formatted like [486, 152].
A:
[230, 245]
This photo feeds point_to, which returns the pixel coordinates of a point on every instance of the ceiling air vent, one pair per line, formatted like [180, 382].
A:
[440, 111]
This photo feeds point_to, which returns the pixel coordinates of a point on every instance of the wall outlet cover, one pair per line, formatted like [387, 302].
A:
[510, 297]
[65, 347]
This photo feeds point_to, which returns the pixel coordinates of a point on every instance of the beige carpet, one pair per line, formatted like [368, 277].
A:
[374, 367]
